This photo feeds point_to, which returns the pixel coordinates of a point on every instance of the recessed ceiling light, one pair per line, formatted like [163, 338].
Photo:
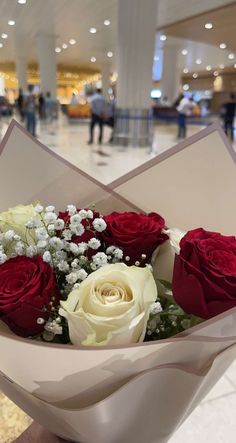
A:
[195, 75]
[107, 22]
[208, 25]
[64, 46]
[109, 54]
[156, 58]
[215, 73]
[11, 22]
[57, 49]
[223, 46]
[208, 68]
[93, 30]
[231, 56]
[221, 66]
[185, 71]
[184, 51]
[22, 2]
[1, 45]
[93, 59]
[186, 87]
[198, 61]
[163, 37]
[4, 35]
[72, 41]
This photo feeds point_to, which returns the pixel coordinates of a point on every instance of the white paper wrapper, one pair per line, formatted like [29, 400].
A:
[141, 392]
[147, 409]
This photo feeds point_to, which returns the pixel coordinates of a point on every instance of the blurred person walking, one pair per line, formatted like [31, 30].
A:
[41, 106]
[228, 115]
[74, 99]
[48, 107]
[30, 108]
[110, 118]
[98, 108]
[184, 107]
[20, 104]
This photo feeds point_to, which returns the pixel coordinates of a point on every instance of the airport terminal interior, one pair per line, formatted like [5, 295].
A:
[162, 69]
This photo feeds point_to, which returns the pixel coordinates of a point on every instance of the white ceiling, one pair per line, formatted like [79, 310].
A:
[208, 54]
[72, 19]
[171, 11]
[65, 19]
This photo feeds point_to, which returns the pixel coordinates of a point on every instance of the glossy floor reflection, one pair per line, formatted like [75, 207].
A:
[214, 420]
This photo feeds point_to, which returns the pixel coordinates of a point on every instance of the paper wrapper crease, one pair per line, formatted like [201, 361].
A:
[129, 393]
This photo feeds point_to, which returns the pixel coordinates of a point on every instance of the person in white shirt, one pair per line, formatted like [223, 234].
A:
[74, 99]
[98, 108]
[184, 108]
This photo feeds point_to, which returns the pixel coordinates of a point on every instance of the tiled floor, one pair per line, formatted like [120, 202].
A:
[214, 419]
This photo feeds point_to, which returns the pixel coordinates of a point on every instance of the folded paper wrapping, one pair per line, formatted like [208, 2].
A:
[191, 185]
[50, 380]
[78, 377]
[30, 172]
[158, 401]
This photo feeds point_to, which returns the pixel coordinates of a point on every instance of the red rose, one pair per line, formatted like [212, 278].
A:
[135, 234]
[204, 279]
[27, 285]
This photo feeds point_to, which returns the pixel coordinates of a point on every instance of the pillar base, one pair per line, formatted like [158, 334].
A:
[133, 127]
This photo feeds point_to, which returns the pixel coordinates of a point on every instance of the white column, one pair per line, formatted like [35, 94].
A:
[21, 72]
[47, 63]
[136, 42]
[171, 74]
[135, 50]
[106, 84]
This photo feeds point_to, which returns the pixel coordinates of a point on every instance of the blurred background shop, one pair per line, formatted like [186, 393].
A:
[142, 54]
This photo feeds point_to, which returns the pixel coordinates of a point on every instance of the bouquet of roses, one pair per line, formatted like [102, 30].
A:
[81, 278]
[109, 318]
[78, 277]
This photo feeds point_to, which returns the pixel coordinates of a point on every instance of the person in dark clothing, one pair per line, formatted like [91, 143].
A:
[20, 104]
[30, 107]
[228, 114]
[110, 118]
[41, 102]
[98, 105]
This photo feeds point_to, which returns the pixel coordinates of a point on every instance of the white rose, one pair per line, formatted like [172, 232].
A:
[111, 306]
[163, 260]
[16, 218]
[175, 236]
